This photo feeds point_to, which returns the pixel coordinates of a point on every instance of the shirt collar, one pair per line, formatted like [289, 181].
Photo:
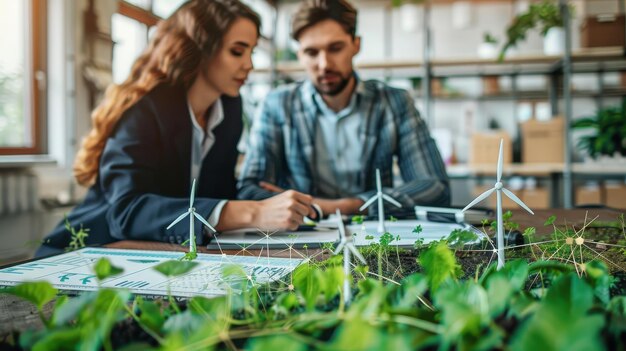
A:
[314, 100]
[215, 116]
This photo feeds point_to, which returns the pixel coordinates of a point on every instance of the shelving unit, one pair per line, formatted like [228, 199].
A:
[558, 92]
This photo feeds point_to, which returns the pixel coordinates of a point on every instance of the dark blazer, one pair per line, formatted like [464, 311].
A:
[144, 179]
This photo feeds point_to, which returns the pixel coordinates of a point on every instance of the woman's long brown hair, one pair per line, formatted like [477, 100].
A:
[181, 43]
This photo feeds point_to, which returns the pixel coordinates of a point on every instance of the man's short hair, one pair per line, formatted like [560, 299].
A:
[312, 12]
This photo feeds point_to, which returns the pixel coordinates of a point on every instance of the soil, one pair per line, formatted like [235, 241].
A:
[401, 263]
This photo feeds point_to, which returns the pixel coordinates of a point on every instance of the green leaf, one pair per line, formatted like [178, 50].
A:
[174, 268]
[408, 293]
[356, 334]
[465, 313]
[616, 316]
[417, 229]
[358, 219]
[598, 277]
[306, 281]
[151, 315]
[529, 232]
[38, 293]
[185, 323]
[458, 238]
[69, 311]
[502, 284]
[439, 264]
[215, 308]
[333, 282]
[275, 342]
[562, 321]
[550, 220]
[59, 340]
[104, 269]
[137, 346]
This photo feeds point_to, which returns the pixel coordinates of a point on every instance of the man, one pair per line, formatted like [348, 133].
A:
[326, 136]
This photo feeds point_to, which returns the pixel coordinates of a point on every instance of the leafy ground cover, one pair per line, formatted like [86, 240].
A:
[561, 291]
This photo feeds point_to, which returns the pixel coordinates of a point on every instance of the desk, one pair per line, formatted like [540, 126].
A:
[16, 314]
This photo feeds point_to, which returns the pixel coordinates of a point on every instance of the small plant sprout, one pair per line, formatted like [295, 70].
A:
[499, 188]
[77, 238]
[191, 212]
[381, 208]
[346, 243]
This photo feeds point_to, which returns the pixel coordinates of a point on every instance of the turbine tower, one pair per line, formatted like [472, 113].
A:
[191, 212]
[381, 209]
[346, 244]
[499, 189]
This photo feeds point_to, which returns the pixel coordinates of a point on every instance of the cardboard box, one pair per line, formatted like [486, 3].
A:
[491, 85]
[536, 199]
[615, 195]
[602, 30]
[542, 142]
[588, 195]
[486, 145]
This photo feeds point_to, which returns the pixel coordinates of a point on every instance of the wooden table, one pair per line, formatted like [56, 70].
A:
[16, 314]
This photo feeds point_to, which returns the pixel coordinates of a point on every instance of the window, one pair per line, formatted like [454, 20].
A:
[131, 28]
[22, 76]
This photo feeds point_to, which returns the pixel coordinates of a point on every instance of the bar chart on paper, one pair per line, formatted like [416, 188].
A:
[73, 271]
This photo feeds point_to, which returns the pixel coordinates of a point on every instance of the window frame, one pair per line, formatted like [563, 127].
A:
[35, 85]
[137, 13]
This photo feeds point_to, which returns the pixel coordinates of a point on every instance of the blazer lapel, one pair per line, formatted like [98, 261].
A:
[174, 114]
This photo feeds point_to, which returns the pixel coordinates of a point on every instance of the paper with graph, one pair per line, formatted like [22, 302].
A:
[73, 271]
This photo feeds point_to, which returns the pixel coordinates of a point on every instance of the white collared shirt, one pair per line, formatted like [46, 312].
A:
[201, 143]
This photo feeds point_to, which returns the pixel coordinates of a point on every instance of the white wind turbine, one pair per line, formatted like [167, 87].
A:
[346, 244]
[499, 188]
[380, 196]
[191, 212]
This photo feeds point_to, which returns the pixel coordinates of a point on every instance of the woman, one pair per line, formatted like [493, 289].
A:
[176, 118]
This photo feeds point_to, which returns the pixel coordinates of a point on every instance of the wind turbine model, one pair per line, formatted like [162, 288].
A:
[381, 210]
[346, 244]
[499, 188]
[191, 212]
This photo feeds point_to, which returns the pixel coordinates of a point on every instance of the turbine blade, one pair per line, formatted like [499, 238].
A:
[392, 200]
[480, 198]
[368, 202]
[339, 247]
[517, 200]
[379, 186]
[356, 253]
[180, 218]
[193, 193]
[500, 159]
[204, 221]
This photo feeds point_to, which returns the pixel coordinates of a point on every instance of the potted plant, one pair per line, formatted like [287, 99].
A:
[546, 15]
[609, 125]
[409, 13]
[488, 49]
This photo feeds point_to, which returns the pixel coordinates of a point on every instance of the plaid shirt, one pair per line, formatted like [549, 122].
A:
[281, 147]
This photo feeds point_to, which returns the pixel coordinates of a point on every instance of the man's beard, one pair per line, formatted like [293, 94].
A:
[335, 88]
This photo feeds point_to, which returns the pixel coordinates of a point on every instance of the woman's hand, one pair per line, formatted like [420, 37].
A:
[347, 205]
[284, 211]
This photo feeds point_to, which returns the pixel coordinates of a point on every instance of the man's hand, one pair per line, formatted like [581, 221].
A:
[271, 187]
[284, 211]
[347, 205]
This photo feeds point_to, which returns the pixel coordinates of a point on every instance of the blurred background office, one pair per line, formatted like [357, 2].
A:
[553, 90]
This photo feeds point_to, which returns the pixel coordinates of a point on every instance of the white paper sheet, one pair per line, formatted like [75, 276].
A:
[73, 271]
